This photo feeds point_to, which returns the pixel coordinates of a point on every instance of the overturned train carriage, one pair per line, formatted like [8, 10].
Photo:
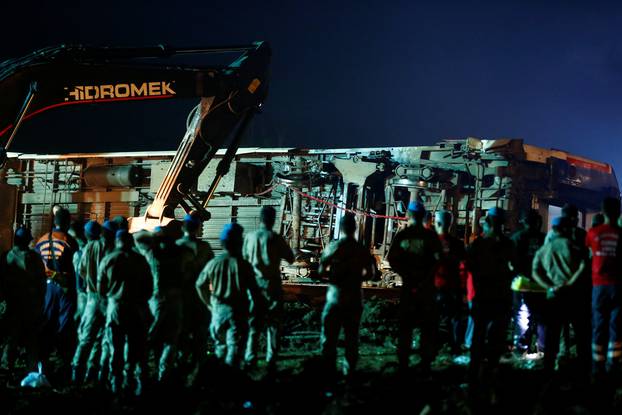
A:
[312, 189]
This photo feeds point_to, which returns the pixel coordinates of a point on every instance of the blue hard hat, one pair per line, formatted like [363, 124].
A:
[92, 229]
[496, 212]
[109, 226]
[193, 219]
[416, 207]
[23, 233]
[561, 222]
[231, 231]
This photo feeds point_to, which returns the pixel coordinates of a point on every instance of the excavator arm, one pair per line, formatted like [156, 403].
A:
[75, 75]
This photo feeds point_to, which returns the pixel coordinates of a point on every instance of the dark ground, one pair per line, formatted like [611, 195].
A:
[303, 385]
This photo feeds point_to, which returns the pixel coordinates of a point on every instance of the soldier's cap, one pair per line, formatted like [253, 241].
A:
[496, 212]
[231, 231]
[110, 226]
[416, 207]
[92, 229]
[23, 233]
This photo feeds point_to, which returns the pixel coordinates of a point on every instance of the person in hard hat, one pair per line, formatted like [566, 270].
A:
[86, 359]
[24, 287]
[414, 254]
[604, 244]
[170, 265]
[528, 306]
[233, 286]
[490, 258]
[194, 334]
[346, 264]
[265, 250]
[557, 266]
[124, 278]
[447, 280]
[76, 230]
[57, 248]
[584, 301]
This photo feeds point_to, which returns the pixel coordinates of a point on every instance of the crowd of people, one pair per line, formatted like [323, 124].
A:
[104, 301]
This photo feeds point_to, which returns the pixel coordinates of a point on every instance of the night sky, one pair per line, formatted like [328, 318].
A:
[358, 73]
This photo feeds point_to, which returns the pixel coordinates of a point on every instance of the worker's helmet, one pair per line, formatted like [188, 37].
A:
[23, 236]
[92, 230]
[416, 209]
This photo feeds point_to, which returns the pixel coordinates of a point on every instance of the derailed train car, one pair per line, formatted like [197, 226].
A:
[312, 189]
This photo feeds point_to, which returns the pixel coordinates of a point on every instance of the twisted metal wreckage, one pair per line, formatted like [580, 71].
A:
[311, 189]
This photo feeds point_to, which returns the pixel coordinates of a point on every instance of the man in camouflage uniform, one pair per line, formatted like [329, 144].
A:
[414, 254]
[265, 249]
[193, 340]
[233, 286]
[345, 263]
[170, 266]
[124, 278]
[24, 287]
[91, 346]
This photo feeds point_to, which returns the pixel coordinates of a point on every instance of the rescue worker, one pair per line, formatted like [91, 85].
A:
[87, 356]
[194, 335]
[124, 278]
[584, 302]
[604, 244]
[233, 286]
[265, 249]
[76, 230]
[414, 253]
[24, 288]
[528, 306]
[447, 279]
[57, 248]
[489, 260]
[345, 263]
[557, 266]
[169, 267]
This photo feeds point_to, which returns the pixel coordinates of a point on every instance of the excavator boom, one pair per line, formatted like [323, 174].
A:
[76, 75]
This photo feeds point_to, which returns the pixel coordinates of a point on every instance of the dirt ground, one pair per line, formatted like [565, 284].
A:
[303, 385]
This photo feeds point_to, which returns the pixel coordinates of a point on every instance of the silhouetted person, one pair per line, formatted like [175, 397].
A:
[604, 244]
[194, 333]
[24, 287]
[170, 266]
[528, 305]
[124, 278]
[226, 286]
[489, 258]
[265, 249]
[414, 253]
[447, 279]
[557, 266]
[57, 248]
[346, 264]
